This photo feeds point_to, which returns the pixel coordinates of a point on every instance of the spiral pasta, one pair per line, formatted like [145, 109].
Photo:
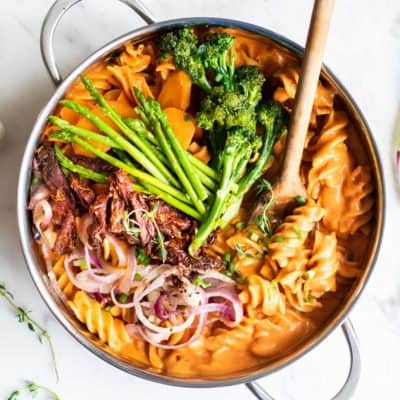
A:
[289, 78]
[62, 279]
[262, 297]
[100, 322]
[293, 232]
[357, 191]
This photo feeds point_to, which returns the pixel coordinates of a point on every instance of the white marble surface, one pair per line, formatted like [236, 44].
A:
[363, 50]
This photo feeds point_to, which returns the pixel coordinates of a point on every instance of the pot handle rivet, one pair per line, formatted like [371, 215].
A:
[349, 387]
[53, 17]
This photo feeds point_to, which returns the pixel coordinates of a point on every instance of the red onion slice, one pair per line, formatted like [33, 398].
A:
[42, 215]
[40, 193]
[122, 257]
[159, 308]
[230, 295]
[126, 282]
[83, 226]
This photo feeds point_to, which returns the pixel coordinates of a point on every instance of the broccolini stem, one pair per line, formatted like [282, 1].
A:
[76, 130]
[166, 148]
[219, 202]
[80, 170]
[137, 140]
[177, 148]
[132, 150]
[248, 180]
[136, 173]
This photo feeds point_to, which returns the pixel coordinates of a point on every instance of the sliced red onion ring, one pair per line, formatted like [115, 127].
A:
[42, 215]
[122, 257]
[40, 193]
[217, 276]
[83, 226]
[228, 294]
[89, 280]
[159, 308]
[126, 282]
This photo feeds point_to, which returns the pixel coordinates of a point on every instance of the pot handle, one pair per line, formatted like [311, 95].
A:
[53, 17]
[348, 388]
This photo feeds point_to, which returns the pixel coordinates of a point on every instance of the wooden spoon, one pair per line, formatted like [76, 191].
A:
[289, 185]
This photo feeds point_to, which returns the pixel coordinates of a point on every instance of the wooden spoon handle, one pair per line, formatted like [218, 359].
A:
[306, 88]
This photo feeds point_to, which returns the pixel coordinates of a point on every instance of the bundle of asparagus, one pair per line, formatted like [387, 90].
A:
[156, 160]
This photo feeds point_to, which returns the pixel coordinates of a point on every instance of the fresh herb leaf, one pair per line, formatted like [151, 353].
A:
[298, 232]
[239, 249]
[199, 281]
[108, 307]
[300, 200]
[14, 395]
[34, 390]
[227, 257]
[279, 239]
[142, 257]
[262, 220]
[35, 180]
[240, 225]
[307, 299]
[24, 317]
[137, 276]
[123, 298]
[254, 237]
[82, 265]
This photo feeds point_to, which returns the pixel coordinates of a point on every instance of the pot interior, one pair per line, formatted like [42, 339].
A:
[367, 153]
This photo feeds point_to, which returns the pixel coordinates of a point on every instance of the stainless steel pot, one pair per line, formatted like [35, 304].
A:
[38, 271]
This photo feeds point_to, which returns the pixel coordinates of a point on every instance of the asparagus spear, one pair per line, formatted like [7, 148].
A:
[139, 127]
[85, 133]
[180, 153]
[176, 203]
[142, 176]
[141, 130]
[132, 150]
[110, 112]
[87, 173]
[166, 148]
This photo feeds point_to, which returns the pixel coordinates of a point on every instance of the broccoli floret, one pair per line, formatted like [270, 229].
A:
[249, 79]
[273, 117]
[182, 46]
[214, 53]
[225, 109]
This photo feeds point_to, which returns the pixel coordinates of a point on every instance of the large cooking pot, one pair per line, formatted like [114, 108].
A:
[38, 270]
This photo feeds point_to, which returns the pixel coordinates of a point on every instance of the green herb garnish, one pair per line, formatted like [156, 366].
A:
[298, 232]
[14, 395]
[262, 220]
[34, 390]
[239, 250]
[279, 239]
[82, 265]
[300, 200]
[137, 276]
[142, 257]
[227, 257]
[24, 317]
[35, 180]
[123, 298]
[199, 281]
[240, 225]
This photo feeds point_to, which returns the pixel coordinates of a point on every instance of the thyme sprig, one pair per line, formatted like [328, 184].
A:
[262, 220]
[23, 317]
[34, 389]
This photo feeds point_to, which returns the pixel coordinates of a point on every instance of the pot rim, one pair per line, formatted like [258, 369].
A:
[24, 224]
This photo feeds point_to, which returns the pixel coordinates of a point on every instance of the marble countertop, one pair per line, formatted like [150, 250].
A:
[363, 50]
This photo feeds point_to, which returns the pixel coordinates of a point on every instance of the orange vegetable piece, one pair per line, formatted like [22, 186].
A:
[175, 91]
[182, 124]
